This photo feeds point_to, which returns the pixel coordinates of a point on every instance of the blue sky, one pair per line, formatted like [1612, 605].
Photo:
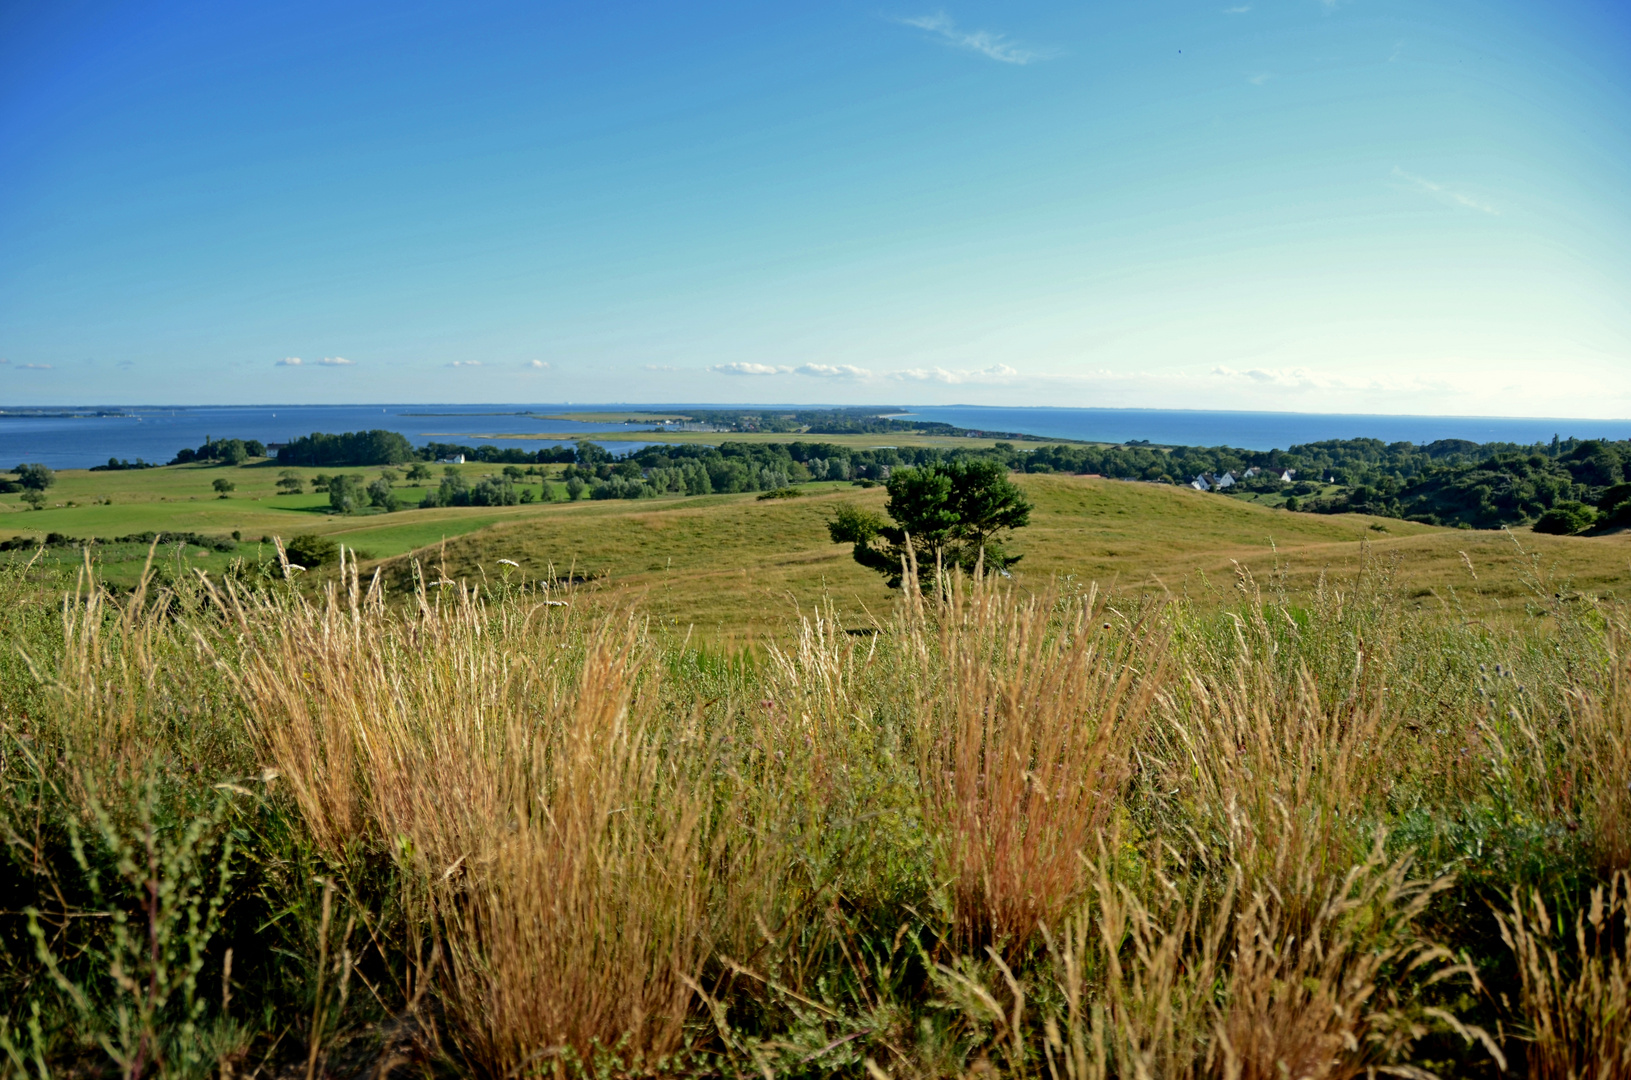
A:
[1403, 206]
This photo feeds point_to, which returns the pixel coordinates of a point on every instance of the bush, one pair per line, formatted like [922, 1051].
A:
[1566, 519]
[381, 495]
[35, 477]
[310, 550]
[1616, 515]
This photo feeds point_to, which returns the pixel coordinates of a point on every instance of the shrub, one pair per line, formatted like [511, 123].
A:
[310, 550]
[1566, 519]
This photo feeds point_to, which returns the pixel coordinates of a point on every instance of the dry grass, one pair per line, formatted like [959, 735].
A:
[513, 762]
[1011, 832]
[1576, 1001]
[1024, 722]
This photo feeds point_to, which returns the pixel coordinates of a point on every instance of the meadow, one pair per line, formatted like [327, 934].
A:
[507, 828]
[672, 787]
[735, 567]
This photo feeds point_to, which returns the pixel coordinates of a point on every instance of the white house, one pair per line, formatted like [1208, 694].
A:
[451, 459]
[1288, 476]
[1200, 484]
[1224, 481]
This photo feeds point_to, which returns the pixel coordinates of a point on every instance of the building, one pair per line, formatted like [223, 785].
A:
[451, 459]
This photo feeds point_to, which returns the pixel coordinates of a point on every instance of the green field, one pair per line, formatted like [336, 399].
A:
[736, 566]
[180, 498]
[642, 810]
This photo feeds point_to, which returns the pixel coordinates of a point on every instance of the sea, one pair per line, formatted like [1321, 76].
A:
[77, 437]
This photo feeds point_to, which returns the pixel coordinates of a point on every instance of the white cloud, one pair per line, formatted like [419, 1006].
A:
[538, 365]
[290, 361]
[661, 367]
[1444, 193]
[996, 46]
[833, 371]
[1238, 10]
[465, 363]
[745, 368]
[1260, 78]
[1304, 379]
[995, 373]
[335, 361]
[34, 367]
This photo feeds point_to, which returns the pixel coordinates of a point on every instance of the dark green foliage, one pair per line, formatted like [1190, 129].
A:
[354, 448]
[1566, 519]
[951, 515]
[347, 494]
[1613, 496]
[487, 453]
[35, 477]
[214, 543]
[310, 550]
[381, 495]
[1618, 516]
[221, 451]
[123, 464]
[455, 490]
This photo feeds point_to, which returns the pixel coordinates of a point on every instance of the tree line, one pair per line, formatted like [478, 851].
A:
[1566, 485]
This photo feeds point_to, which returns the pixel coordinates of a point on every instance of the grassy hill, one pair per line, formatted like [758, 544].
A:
[737, 566]
[734, 566]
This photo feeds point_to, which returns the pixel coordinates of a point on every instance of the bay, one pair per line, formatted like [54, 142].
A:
[155, 433]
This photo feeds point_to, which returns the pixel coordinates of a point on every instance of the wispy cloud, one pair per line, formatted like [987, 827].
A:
[747, 368]
[538, 365]
[996, 46]
[1445, 193]
[1260, 78]
[1301, 378]
[290, 361]
[995, 373]
[660, 367]
[336, 361]
[465, 363]
[34, 367]
[1238, 9]
[833, 371]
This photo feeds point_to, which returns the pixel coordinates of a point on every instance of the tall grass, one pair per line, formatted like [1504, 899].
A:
[515, 831]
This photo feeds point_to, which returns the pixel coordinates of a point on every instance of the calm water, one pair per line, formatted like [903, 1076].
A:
[1263, 430]
[157, 433]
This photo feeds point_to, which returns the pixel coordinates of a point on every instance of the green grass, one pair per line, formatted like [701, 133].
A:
[279, 832]
[181, 498]
[732, 565]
